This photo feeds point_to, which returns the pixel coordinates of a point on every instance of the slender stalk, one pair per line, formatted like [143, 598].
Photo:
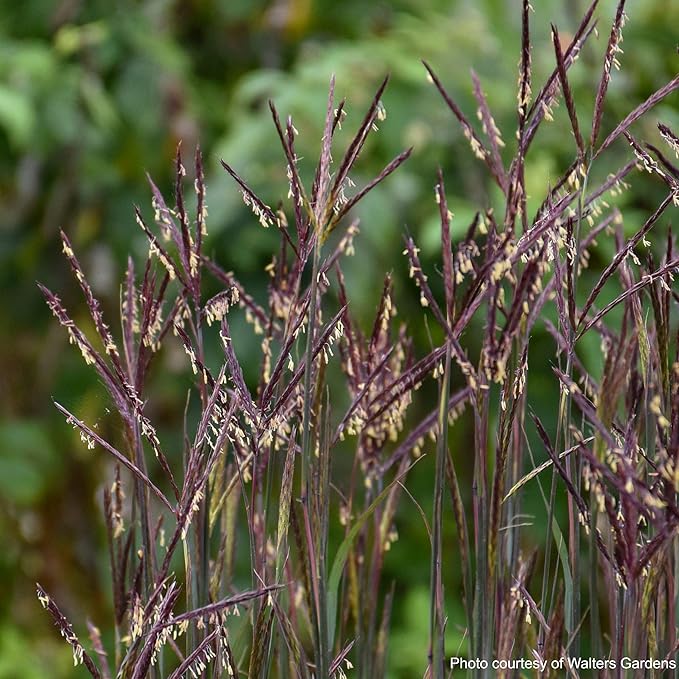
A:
[483, 634]
[572, 603]
[436, 629]
[322, 660]
[141, 494]
[323, 509]
[308, 365]
[574, 466]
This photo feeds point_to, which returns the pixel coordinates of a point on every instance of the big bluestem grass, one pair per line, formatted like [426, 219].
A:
[262, 458]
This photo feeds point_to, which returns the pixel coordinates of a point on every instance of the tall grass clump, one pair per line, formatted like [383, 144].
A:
[276, 476]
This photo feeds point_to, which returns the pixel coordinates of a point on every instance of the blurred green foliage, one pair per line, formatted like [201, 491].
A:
[95, 94]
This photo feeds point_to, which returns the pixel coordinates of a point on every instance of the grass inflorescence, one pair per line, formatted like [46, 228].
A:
[254, 477]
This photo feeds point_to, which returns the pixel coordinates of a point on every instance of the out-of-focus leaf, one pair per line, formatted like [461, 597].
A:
[16, 116]
[27, 461]
[47, 658]
[98, 102]
[70, 38]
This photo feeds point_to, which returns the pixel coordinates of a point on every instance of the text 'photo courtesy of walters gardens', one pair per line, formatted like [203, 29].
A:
[565, 664]
[380, 380]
